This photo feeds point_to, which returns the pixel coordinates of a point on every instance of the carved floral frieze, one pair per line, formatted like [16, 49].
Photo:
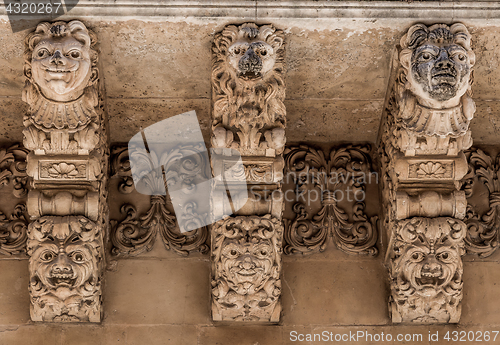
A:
[341, 175]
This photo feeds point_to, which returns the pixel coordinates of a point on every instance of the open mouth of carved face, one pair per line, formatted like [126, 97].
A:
[250, 75]
[62, 279]
[429, 281]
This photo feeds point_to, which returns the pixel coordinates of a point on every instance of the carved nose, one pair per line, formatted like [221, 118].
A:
[444, 61]
[250, 62]
[61, 265]
[247, 264]
[432, 266]
[57, 59]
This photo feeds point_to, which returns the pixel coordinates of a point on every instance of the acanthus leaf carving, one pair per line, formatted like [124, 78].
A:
[348, 166]
[13, 231]
[483, 231]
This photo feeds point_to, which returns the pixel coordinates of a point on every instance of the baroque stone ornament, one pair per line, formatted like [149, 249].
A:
[246, 255]
[65, 129]
[424, 132]
[137, 233]
[248, 86]
[248, 126]
[66, 259]
[426, 270]
[332, 181]
[483, 230]
[13, 179]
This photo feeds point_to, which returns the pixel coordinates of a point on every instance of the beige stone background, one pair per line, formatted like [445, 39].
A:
[154, 67]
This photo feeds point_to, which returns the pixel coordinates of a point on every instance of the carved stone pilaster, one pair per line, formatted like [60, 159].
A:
[424, 133]
[65, 129]
[248, 128]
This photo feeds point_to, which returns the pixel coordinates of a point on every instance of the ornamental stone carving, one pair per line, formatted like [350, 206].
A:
[246, 260]
[66, 258]
[66, 133]
[426, 270]
[248, 126]
[424, 133]
[433, 90]
[248, 89]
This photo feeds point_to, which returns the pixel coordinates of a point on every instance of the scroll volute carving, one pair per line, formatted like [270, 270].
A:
[66, 257]
[426, 270]
[433, 90]
[246, 260]
[61, 89]
[249, 90]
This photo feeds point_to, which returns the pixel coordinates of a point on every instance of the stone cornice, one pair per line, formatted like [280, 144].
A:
[154, 10]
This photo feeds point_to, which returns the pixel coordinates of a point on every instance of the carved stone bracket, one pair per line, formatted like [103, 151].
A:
[246, 260]
[424, 133]
[137, 233]
[336, 183]
[65, 129]
[483, 229]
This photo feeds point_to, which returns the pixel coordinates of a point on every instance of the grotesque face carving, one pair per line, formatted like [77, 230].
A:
[438, 62]
[65, 255]
[247, 264]
[65, 264]
[251, 52]
[430, 255]
[60, 60]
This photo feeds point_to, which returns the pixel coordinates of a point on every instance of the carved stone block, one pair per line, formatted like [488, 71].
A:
[248, 90]
[426, 270]
[66, 258]
[246, 268]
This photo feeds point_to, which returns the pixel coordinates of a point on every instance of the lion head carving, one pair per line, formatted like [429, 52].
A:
[65, 257]
[248, 87]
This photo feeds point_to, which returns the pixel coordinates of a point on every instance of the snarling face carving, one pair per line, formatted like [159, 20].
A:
[427, 268]
[438, 61]
[60, 60]
[65, 255]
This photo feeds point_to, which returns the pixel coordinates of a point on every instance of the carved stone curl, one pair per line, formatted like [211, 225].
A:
[246, 266]
[336, 179]
[66, 258]
[249, 90]
[426, 270]
[483, 230]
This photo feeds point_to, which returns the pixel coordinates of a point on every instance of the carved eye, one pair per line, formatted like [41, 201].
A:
[42, 53]
[47, 256]
[460, 57]
[75, 54]
[263, 252]
[233, 252]
[425, 56]
[417, 256]
[237, 51]
[263, 53]
[444, 256]
[77, 257]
